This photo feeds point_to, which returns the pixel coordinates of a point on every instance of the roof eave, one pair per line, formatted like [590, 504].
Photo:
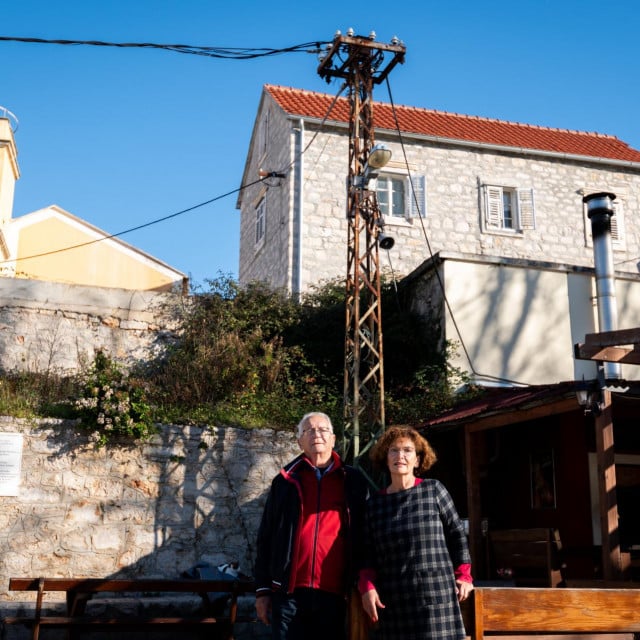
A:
[573, 157]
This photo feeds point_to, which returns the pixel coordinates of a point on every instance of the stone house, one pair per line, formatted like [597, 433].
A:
[494, 209]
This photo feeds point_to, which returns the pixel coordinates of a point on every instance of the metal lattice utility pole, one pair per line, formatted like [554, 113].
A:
[362, 63]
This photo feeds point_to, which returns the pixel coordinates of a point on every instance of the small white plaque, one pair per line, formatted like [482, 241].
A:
[10, 463]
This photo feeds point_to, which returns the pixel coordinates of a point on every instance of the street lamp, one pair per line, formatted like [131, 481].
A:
[379, 156]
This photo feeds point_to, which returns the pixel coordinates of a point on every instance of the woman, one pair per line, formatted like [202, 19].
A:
[417, 567]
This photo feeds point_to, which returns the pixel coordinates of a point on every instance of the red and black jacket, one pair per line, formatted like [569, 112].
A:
[311, 546]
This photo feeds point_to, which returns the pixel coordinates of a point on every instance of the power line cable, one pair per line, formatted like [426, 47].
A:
[237, 53]
[137, 228]
[318, 131]
[227, 53]
[636, 259]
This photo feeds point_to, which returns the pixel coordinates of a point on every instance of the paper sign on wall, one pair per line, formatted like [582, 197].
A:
[10, 463]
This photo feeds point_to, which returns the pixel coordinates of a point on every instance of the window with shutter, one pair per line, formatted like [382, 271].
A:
[508, 209]
[493, 207]
[401, 196]
[617, 224]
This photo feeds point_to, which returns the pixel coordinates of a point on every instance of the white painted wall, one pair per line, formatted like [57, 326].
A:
[521, 323]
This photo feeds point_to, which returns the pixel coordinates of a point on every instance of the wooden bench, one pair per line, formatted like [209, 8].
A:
[529, 557]
[537, 611]
[80, 590]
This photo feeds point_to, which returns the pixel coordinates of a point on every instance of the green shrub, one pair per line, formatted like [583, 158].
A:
[111, 405]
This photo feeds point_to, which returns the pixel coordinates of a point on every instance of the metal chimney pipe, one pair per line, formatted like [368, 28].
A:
[600, 210]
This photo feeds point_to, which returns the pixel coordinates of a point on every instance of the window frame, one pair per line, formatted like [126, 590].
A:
[390, 201]
[411, 183]
[522, 216]
[260, 222]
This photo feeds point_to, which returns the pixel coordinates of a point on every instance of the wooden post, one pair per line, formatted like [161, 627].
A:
[477, 544]
[611, 557]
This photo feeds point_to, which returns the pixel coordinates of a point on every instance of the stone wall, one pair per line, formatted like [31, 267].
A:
[53, 327]
[192, 494]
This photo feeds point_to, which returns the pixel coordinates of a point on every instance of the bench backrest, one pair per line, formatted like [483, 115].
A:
[547, 610]
[530, 557]
[143, 585]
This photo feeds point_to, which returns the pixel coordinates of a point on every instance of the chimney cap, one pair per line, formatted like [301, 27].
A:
[600, 195]
[599, 203]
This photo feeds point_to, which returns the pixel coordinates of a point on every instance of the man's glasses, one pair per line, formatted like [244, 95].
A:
[321, 431]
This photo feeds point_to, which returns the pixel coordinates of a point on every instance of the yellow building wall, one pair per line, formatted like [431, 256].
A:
[102, 263]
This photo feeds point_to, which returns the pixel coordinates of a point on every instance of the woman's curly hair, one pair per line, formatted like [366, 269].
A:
[426, 455]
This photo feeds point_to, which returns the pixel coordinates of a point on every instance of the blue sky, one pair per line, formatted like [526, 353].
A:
[123, 137]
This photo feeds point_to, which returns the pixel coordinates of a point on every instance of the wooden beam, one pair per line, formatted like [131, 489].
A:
[623, 355]
[621, 346]
[614, 338]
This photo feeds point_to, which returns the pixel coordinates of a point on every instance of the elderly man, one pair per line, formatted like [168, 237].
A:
[312, 519]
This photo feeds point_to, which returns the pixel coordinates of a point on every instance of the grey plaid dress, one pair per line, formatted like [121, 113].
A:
[413, 540]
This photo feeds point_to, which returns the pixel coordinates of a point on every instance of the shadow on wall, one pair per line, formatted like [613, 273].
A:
[193, 494]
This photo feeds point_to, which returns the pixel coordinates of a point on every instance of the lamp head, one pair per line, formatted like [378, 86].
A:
[379, 156]
[582, 396]
[589, 398]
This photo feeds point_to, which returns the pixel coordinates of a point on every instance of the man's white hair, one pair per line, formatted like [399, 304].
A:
[307, 416]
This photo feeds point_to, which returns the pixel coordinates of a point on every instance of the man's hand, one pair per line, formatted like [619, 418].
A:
[370, 603]
[263, 609]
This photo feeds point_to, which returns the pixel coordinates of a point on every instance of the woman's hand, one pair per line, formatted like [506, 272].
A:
[370, 603]
[464, 589]
[263, 609]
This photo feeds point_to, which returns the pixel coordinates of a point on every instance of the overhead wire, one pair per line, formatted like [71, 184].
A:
[227, 53]
[428, 244]
[237, 53]
[132, 229]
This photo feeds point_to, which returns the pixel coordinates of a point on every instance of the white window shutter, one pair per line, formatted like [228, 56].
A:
[415, 197]
[526, 210]
[493, 206]
[617, 223]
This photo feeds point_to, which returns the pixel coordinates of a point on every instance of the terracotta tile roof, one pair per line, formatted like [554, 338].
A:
[453, 126]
